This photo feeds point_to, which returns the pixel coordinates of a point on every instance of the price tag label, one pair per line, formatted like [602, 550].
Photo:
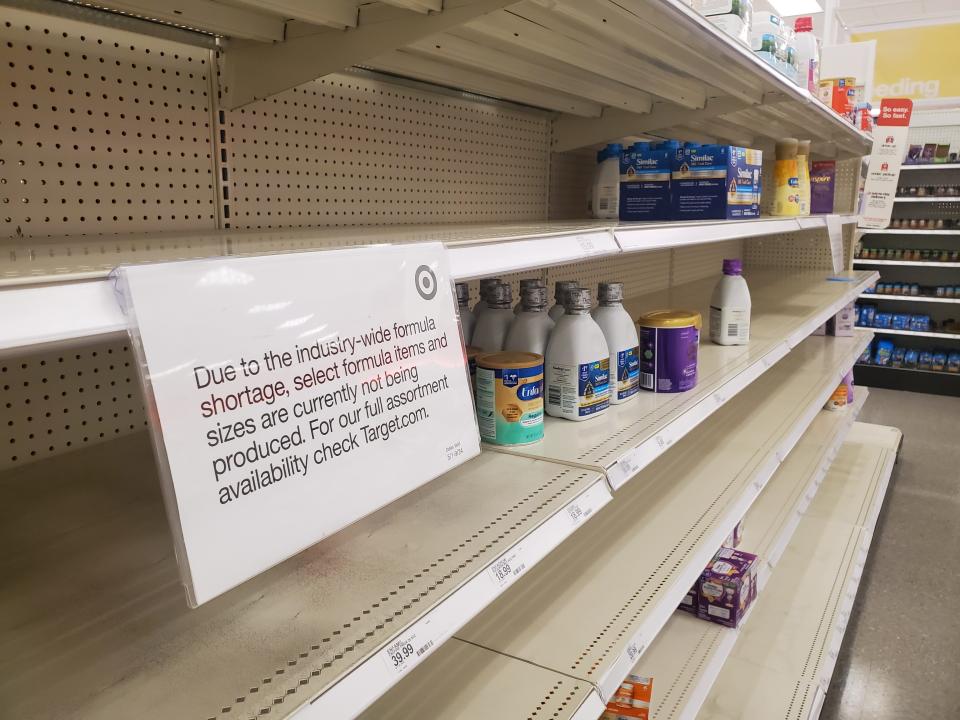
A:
[586, 243]
[507, 567]
[406, 652]
[634, 649]
[719, 399]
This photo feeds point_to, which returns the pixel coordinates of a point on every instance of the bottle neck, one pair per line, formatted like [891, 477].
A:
[576, 312]
[610, 303]
[498, 306]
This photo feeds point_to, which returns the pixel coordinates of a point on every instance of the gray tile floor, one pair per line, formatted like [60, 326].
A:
[901, 654]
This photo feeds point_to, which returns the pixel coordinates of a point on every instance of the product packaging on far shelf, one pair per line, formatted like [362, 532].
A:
[645, 182]
[841, 324]
[731, 16]
[733, 539]
[716, 182]
[631, 701]
[691, 601]
[727, 587]
[823, 175]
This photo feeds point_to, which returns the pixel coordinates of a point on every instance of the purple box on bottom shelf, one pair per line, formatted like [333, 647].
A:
[727, 587]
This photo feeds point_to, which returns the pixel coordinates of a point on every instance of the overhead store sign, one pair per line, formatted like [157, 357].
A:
[916, 62]
[293, 394]
[889, 147]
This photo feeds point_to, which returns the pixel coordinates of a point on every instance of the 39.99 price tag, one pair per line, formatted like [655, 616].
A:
[406, 651]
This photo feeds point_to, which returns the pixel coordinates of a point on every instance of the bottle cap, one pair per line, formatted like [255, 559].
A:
[500, 295]
[641, 146]
[613, 149]
[786, 149]
[560, 289]
[534, 297]
[578, 300]
[530, 282]
[803, 24]
[803, 148]
[732, 266]
[485, 285]
[463, 293]
[610, 292]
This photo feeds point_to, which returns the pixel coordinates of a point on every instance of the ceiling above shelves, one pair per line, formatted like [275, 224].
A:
[611, 70]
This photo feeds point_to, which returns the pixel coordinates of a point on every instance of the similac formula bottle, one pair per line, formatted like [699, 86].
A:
[525, 283]
[808, 54]
[785, 179]
[730, 307]
[606, 193]
[577, 364]
[560, 289]
[492, 325]
[531, 327]
[467, 319]
[620, 332]
[481, 307]
[803, 175]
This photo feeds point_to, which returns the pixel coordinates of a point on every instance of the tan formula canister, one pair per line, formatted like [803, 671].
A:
[509, 397]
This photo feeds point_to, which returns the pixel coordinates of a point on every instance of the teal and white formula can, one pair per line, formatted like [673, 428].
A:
[510, 397]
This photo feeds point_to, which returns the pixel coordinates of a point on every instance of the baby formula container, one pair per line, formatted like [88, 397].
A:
[577, 366]
[531, 328]
[525, 283]
[669, 343]
[622, 341]
[467, 318]
[785, 178]
[803, 175]
[559, 295]
[606, 196]
[730, 307]
[492, 326]
[481, 307]
[510, 397]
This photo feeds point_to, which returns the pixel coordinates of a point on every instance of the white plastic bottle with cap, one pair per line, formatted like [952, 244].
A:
[606, 189]
[524, 284]
[577, 363]
[623, 342]
[481, 307]
[560, 289]
[493, 324]
[808, 54]
[532, 325]
[467, 319]
[730, 307]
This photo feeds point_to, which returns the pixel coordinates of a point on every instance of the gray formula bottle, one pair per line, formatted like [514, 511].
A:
[532, 325]
[524, 284]
[620, 333]
[481, 307]
[560, 290]
[493, 324]
[467, 319]
[577, 364]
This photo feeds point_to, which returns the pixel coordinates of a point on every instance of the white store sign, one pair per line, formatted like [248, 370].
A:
[883, 173]
[294, 394]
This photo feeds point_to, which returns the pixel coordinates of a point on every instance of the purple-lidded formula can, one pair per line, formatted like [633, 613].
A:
[669, 342]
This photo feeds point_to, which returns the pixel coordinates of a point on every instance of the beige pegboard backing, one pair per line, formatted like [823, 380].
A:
[804, 249]
[56, 401]
[354, 150]
[948, 132]
[640, 273]
[101, 131]
[701, 261]
[847, 185]
[571, 175]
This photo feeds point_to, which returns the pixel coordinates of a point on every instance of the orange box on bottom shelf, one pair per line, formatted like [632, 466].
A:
[632, 699]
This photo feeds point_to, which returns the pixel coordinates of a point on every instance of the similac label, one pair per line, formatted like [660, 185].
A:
[628, 372]
[510, 404]
[582, 389]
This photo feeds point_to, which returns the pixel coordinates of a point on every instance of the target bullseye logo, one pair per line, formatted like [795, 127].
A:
[426, 282]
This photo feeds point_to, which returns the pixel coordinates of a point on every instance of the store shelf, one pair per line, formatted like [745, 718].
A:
[783, 658]
[95, 623]
[916, 333]
[910, 379]
[593, 606]
[909, 298]
[900, 231]
[523, 690]
[628, 437]
[927, 199]
[77, 302]
[932, 166]
[688, 654]
[860, 262]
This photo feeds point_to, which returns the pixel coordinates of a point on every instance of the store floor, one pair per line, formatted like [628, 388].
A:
[902, 649]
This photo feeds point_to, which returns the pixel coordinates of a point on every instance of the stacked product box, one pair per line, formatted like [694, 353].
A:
[715, 182]
[725, 590]
[645, 181]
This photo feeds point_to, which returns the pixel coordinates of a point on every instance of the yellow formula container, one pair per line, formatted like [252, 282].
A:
[786, 179]
[509, 397]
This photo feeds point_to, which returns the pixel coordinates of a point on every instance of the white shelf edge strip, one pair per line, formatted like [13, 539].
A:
[630, 463]
[591, 708]
[915, 333]
[902, 231]
[59, 312]
[375, 675]
[860, 262]
[908, 298]
[634, 647]
[945, 198]
[931, 166]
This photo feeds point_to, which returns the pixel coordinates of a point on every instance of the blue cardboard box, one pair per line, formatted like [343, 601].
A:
[645, 182]
[716, 182]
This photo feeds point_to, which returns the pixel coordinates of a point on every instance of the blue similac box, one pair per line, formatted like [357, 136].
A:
[645, 182]
[716, 182]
